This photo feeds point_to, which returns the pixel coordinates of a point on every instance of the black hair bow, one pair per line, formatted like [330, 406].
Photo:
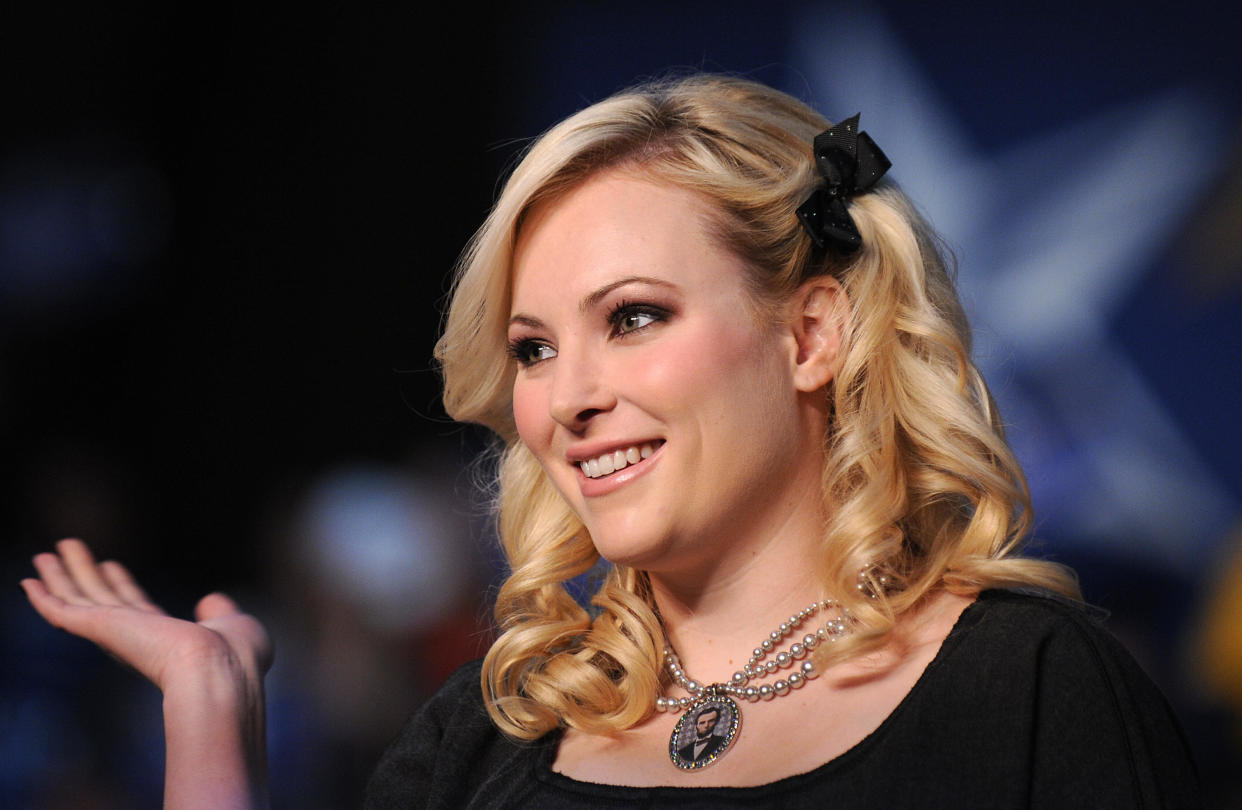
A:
[851, 163]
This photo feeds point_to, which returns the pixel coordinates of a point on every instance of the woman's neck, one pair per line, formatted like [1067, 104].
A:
[747, 580]
[714, 621]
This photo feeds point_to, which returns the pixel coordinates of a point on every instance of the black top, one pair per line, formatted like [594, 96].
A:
[1028, 703]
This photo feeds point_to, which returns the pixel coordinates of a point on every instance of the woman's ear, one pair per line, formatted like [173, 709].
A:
[819, 314]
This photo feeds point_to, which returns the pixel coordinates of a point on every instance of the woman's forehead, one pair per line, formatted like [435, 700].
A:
[613, 225]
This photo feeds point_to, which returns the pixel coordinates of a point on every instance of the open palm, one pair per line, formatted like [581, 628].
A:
[101, 602]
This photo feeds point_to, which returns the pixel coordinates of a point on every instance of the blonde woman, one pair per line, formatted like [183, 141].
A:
[725, 356]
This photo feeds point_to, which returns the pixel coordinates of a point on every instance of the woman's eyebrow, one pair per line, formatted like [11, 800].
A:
[595, 297]
[526, 320]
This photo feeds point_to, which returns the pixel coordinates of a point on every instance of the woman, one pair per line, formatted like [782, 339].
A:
[725, 357]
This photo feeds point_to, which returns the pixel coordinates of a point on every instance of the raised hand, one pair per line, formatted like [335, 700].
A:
[102, 603]
[210, 671]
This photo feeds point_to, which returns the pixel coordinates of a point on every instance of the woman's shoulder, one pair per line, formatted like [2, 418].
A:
[1036, 643]
[448, 750]
[460, 690]
[1036, 680]
[455, 714]
[1025, 627]
[1025, 616]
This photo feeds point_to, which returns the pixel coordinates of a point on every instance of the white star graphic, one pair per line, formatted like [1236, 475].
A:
[1052, 233]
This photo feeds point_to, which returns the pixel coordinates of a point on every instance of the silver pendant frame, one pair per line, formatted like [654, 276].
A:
[684, 732]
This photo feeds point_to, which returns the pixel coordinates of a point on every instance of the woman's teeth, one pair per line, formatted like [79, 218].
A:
[616, 460]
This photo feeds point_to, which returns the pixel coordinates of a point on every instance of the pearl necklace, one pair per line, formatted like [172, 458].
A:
[696, 744]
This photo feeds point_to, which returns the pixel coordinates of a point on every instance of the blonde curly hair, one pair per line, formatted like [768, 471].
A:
[919, 485]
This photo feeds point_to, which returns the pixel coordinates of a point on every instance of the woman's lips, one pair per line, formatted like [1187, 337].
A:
[604, 483]
[617, 460]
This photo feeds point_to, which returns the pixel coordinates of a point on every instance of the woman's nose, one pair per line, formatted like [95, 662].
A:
[580, 390]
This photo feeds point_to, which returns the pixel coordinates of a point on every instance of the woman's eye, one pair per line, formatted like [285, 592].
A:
[529, 352]
[632, 318]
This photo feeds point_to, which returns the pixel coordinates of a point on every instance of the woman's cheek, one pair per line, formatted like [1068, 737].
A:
[700, 357]
[530, 417]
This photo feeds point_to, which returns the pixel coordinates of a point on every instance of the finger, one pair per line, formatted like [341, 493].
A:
[56, 611]
[57, 581]
[92, 622]
[245, 634]
[214, 606]
[80, 564]
[47, 605]
[119, 579]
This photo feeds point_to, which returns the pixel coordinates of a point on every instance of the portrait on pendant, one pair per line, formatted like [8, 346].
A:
[704, 733]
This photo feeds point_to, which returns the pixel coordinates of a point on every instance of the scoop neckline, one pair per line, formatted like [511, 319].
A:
[543, 764]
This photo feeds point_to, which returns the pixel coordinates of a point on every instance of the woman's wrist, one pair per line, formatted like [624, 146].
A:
[214, 732]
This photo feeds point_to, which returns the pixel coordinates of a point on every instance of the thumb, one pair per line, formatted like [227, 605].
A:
[213, 606]
[244, 634]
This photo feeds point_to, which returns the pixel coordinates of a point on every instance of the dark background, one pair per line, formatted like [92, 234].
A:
[225, 236]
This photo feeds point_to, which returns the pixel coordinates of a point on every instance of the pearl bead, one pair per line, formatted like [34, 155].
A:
[836, 626]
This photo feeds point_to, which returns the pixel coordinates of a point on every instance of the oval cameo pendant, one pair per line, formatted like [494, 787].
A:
[705, 731]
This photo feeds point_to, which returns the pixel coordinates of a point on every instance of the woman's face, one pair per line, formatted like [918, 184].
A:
[665, 415]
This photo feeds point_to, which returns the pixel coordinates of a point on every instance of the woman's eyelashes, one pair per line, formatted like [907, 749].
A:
[626, 318]
[527, 351]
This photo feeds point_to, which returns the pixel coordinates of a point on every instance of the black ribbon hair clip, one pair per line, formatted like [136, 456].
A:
[851, 163]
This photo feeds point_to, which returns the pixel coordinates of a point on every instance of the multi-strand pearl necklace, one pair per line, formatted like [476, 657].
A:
[694, 745]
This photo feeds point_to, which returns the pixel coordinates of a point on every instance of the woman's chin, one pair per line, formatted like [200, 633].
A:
[633, 551]
[629, 557]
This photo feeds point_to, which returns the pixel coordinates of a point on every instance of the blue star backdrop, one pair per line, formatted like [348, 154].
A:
[224, 238]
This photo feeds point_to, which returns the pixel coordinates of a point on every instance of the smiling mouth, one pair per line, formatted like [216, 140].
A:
[618, 460]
